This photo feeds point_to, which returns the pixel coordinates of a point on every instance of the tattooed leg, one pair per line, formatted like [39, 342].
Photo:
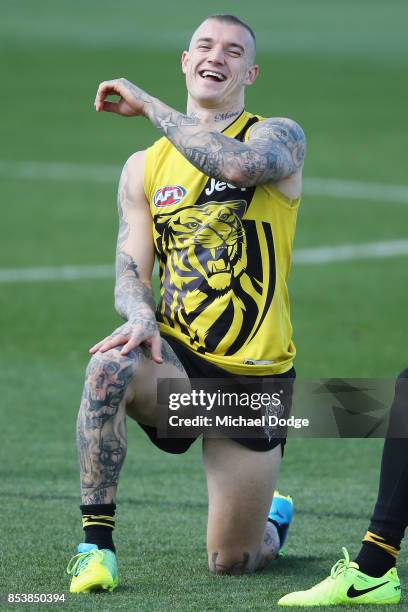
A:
[101, 428]
[269, 546]
[115, 386]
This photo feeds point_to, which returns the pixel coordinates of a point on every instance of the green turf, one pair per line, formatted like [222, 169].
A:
[339, 69]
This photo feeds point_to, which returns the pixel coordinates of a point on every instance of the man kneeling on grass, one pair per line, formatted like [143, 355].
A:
[216, 199]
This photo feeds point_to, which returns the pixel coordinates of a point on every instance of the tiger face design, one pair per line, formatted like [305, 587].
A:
[205, 246]
[211, 292]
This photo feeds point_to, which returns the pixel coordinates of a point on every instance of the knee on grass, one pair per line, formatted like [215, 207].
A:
[233, 562]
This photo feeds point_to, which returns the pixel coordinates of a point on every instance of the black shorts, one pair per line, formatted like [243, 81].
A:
[197, 367]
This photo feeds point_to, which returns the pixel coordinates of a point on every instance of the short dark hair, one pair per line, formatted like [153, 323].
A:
[234, 20]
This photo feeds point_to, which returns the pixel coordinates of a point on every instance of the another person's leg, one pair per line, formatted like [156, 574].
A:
[371, 578]
[381, 543]
[241, 484]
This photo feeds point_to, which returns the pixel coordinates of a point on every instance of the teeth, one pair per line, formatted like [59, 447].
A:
[214, 74]
[216, 251]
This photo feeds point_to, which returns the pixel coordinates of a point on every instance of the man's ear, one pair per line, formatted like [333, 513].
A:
[251, 75]
[184, 61]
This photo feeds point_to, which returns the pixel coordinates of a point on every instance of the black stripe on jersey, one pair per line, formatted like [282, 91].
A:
[246, 127]
[255, 265]
[271, 275]
[250, 314]
[217, 331]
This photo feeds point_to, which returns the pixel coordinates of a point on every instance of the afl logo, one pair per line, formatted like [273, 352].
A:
[166, 196]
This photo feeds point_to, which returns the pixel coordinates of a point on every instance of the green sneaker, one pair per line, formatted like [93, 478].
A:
[346, 585]
[93, 570]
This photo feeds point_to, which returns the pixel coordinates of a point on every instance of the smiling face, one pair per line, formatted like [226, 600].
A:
[219, 64]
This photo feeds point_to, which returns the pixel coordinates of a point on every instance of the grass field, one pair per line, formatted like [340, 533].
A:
[340, 70]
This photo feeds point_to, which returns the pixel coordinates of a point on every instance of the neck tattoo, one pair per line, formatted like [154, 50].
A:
[225, 116]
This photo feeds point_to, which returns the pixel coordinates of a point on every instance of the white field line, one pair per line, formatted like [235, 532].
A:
[108, 173]
[59, 171]
[349, 252]
[356, 190]
[62, 273]
[312, 256]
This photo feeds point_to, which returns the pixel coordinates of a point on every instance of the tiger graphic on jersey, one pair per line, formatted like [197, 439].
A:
[206, 266]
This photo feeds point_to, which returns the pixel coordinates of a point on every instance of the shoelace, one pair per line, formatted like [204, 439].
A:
[80, 561]
[341, 566]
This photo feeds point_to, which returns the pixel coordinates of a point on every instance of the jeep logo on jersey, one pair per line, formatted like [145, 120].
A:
[220, 186]
[166, 196]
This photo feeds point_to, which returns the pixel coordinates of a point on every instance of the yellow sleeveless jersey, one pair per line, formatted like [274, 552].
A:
[224, 254]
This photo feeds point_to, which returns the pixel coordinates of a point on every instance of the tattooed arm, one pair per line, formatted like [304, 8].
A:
[134, 265]
[274, 152]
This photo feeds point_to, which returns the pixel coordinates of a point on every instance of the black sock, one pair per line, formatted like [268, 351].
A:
[374, 560]
[98, 523]
[279, 528]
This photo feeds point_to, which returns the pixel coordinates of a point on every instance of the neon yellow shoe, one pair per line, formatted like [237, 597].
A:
[93, 570]
[346, 585]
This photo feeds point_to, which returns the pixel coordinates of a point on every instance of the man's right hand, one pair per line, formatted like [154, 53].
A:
[131, 335]
[132, 100]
